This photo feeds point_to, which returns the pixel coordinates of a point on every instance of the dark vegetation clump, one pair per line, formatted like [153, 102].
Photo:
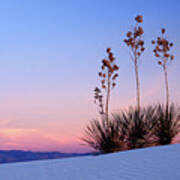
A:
[132, 129]
[138, 126]
[167, 124]
[103, 137]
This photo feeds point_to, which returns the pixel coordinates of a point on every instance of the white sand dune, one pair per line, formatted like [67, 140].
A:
[157, 163]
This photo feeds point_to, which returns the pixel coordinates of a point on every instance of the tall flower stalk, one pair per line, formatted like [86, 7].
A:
[108, 76]
[136, 44]
[161, 51]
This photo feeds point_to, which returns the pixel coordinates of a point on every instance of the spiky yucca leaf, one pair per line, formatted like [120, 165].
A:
[138, 125]
[167, 124]
[149, 126]
[104, 137]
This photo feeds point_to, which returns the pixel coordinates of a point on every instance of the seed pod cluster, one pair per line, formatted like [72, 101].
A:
[134, 38]
[108, 70]
[162, 48]
[108, 77]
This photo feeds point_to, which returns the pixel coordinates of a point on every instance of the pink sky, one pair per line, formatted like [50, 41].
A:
[53, 124]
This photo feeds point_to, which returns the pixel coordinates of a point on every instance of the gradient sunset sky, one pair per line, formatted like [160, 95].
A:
[50, 54]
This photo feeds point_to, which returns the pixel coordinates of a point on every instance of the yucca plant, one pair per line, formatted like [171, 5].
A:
[161, 51]
[136, 44]
[167, 124]
[138, 125]
[105, 138]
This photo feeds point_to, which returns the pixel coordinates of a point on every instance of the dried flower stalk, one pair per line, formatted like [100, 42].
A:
[136, 44]
[108, 76]
[161, 51]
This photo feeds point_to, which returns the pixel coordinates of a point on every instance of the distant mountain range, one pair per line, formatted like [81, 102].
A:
[21, 156]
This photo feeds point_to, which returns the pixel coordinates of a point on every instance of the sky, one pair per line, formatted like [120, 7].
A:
[50, 54]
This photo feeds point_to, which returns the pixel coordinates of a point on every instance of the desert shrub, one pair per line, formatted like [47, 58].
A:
[105, 137]
[132, 129]
[126, 130]
[138, 125]
[167, 124]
